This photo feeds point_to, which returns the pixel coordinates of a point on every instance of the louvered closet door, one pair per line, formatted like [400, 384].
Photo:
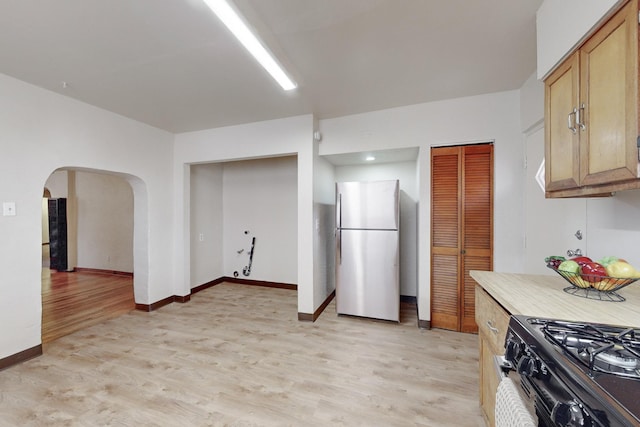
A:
[445, 236]
[461, 231]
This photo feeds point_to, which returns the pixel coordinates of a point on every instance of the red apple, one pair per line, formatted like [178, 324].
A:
[592, 272]
[581, 259]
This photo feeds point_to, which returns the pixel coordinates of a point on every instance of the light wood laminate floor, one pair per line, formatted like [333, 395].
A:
[236, 355]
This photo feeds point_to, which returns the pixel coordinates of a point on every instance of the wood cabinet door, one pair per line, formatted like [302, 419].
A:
[461, 231]
[488, 381]
[493, 322]
[562, 155]
[609, 93]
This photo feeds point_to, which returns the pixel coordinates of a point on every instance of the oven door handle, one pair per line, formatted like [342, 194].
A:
[502, 366]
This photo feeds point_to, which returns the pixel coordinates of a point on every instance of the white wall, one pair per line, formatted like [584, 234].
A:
[57, 183]
[41, 131]
[324, 227]
[493, 117]
[105, 222]
[550, 224]
[405, 172]
[207, 254]
[613, 227]
[261, 197]
[531, 105]
[45, 221]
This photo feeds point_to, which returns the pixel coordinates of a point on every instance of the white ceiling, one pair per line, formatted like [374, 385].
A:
[171, 64]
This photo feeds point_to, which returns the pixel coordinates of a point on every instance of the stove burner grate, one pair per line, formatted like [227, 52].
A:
[609, 358]
[600, 348]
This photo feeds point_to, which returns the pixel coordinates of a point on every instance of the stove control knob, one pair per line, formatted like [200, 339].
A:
[512, 351]
[528, 366]
[568, 414]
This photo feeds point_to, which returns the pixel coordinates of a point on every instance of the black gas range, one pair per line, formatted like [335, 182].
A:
[576, 374]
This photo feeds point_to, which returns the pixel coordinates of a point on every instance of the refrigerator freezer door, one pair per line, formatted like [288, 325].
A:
[367, 205]
[367, 282]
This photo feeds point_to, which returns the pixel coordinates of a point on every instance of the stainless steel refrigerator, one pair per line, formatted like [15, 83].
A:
[367, 249]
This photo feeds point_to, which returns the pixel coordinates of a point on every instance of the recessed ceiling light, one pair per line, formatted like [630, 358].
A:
[234, 22]
[370, 158]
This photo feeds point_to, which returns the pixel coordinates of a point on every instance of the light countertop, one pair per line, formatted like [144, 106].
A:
[543, 296]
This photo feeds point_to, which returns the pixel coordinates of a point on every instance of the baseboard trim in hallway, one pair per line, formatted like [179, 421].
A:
[101, 271]
[186, 298]
[306, 317]
[267, 284]
[20, 357]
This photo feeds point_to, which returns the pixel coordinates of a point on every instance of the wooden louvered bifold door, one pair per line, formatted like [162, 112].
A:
[461, 231]
[445, 231]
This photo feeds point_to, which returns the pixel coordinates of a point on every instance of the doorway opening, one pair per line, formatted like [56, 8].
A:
[243, 221]
[97, 281]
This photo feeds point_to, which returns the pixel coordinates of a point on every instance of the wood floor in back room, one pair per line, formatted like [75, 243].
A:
[236, 355]
[76, 300]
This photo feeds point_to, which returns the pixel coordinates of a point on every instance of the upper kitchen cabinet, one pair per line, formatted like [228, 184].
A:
[591, 113]
[562, 148]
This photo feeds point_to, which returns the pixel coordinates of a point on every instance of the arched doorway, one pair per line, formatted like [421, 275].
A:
[106, 209]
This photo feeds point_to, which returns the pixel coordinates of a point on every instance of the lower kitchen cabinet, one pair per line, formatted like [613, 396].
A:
[499, 295]
[493, 321]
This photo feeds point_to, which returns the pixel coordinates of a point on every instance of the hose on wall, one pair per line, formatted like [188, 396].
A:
[247, 269]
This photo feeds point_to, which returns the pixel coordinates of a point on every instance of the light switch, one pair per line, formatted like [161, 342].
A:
[8, 208]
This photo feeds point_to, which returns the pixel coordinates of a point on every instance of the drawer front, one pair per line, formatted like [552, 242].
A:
[492, 320]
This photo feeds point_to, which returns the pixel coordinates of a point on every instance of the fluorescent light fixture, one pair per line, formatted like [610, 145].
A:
[237, 26]
[370, 158]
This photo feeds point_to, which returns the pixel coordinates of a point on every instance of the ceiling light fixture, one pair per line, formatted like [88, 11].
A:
[234, 22]
[370, 158]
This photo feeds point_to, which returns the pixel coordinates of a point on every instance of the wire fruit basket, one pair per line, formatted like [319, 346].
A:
[602, 288]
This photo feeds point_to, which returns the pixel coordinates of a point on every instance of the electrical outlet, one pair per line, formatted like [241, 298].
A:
[201, 237]
[8, 208]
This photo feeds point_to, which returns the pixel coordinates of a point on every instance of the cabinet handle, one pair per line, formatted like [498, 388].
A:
[492, 328]
[571, 123]
[580, 117]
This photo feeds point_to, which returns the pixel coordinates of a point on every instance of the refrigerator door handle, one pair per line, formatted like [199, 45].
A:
[340, 246]
[339, 228]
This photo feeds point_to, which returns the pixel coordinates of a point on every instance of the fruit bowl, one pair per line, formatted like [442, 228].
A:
[594, 287]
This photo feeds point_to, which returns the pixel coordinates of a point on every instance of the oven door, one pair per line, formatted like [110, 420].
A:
[514, 406]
